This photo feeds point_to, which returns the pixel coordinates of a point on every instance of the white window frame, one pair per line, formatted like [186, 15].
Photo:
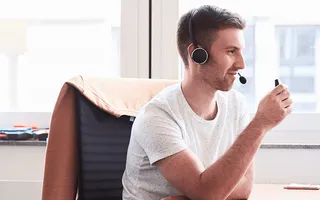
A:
[134, 60]
[165, 56]
[134, 56]
[297, 128]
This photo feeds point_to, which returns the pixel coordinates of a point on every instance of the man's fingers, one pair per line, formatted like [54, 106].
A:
[288, 109]
[284, 95]
[286, 103]
[279, 89]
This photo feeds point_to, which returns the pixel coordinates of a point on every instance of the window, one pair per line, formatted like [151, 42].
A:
[43, 44]
[4, 86]
[297, 63]
[51, 43]
[58, 52]
[297, 44]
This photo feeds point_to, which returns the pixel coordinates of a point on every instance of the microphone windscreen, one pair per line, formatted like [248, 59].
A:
[243, 80]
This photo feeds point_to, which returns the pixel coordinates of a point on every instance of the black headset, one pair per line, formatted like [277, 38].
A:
[199, 55]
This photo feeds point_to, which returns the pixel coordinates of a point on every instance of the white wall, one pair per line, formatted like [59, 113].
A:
[21, 174]
[288, 166]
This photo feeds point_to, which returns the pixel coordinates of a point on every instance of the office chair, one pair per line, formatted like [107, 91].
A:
[89, 135]
[102, 145]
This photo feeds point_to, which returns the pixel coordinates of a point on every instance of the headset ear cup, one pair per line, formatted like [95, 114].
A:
[199, 55]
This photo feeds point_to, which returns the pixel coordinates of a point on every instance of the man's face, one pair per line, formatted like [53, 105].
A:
[225, 59]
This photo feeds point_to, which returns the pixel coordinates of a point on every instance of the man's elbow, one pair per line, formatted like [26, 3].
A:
[244, 194]
[248, 189]
[247, 192]
[180, 197]
[209, 196]
[186, 198]
[220, 192]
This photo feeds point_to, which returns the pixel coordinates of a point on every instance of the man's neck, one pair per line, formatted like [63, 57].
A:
[200, 97]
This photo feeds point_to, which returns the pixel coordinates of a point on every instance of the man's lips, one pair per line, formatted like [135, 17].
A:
[233, 73]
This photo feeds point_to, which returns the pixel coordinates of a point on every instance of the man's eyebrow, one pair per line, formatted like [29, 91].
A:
[232, 47]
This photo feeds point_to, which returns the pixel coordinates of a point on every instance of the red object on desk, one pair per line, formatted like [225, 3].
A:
[25, 126]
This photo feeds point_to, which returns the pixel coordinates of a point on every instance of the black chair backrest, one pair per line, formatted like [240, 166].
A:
[103, 142]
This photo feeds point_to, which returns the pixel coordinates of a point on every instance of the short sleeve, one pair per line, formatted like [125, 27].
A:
[158, 134]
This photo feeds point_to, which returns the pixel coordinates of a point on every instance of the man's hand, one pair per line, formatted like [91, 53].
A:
[274, 107]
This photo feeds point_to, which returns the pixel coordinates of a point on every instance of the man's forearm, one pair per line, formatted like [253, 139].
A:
[244, 187]
[180, 197]
[222, 177]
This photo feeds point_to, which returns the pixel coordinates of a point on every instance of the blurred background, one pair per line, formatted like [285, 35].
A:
[43, 44]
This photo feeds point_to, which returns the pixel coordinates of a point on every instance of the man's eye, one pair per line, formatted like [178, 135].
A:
[231, 51]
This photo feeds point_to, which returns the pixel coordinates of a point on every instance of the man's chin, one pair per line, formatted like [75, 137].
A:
[226, 87]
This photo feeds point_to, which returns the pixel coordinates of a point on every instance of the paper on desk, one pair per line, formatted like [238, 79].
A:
[298, 186]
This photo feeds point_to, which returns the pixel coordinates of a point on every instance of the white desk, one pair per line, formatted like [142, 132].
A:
[276, 192]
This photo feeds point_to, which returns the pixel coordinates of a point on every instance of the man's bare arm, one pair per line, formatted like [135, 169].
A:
[180, 197]
[244, 187]
[242, 190]
[186, 173]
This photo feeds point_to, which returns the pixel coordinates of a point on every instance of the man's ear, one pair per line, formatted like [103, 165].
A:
[190, 48]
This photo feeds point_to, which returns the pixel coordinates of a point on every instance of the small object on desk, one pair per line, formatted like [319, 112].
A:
[41, 134]
[15, 133]
[33, 127]
[296, 186]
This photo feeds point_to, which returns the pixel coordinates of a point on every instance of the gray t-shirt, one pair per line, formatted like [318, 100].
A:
[168, 125]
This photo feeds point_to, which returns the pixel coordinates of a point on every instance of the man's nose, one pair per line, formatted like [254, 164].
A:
[241, 63]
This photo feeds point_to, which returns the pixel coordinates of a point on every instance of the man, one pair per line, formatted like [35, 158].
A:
[194, 140]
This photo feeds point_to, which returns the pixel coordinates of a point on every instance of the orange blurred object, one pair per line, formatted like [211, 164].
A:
[33, 127]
